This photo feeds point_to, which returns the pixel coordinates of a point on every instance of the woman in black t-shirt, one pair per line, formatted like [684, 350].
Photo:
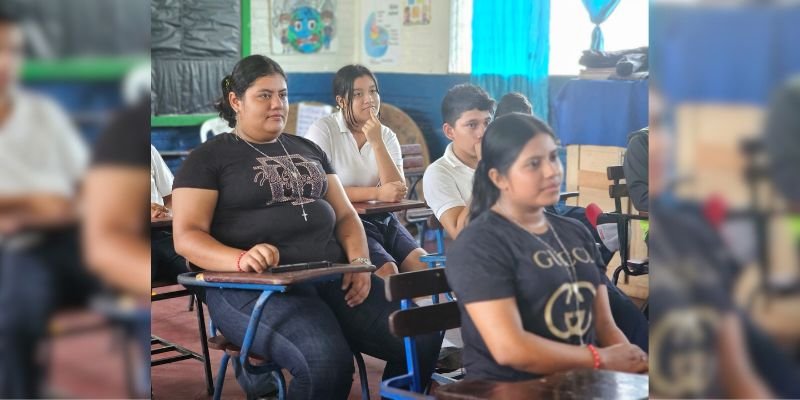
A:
[527, 281]
[253, 198]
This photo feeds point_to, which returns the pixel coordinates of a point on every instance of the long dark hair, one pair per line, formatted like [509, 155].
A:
[245, 72]
[343, 84]
[501, 144]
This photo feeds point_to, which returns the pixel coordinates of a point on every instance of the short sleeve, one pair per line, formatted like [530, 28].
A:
[441, 191]
[125, 141]
[161, 173]
[480, 266]
[324, 158]
[319, 134]
[198, 171]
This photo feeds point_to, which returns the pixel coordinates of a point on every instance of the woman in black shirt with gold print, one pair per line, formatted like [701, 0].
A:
[527, 281]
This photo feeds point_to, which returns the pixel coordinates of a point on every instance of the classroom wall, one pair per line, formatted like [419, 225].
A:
[425, 48]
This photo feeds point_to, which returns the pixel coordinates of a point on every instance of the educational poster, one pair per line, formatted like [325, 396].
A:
[382, 23]
[303, 26]
[417, 12]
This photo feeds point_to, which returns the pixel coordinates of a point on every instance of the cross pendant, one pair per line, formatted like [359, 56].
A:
[305, 216]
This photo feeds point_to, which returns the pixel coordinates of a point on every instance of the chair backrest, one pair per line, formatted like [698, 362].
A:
[617, 190]
[214, 126]
[421, 320]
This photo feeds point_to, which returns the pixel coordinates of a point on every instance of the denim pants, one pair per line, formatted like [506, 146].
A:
[35, 280]
[311, 332]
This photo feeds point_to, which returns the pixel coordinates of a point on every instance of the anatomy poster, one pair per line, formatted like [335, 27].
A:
[303, 26]
[382, 21]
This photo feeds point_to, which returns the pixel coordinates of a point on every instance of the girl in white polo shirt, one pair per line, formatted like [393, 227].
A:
[366, 156]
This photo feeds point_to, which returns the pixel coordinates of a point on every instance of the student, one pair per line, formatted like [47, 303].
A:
[255, 197]
[527, 281]
[367, 158]
[42, 162]
[166, 263]
[627, 316]
[447, 183]
[636, 166]
[513, 102]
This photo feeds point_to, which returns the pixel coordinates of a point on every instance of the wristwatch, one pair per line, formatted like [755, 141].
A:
[361, 260]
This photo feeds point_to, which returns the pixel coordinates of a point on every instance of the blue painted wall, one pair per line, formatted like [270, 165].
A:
[419, 95]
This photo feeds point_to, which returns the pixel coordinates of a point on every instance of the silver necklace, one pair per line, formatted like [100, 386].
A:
[570, 266]
[294, 172]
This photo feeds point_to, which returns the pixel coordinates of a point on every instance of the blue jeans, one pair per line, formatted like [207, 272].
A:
[35, 281]
[311, 332]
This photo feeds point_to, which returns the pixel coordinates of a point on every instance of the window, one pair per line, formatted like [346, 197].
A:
[460, 37]
[571, 31]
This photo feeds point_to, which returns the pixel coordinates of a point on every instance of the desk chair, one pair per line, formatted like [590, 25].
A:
[164, 346]
[268, 284]
[618, 191]
[408, 322]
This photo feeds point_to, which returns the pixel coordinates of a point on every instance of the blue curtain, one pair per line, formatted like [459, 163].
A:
[511, 49]
[599, 11]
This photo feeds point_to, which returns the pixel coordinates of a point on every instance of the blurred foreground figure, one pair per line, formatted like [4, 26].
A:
[702, 344]
[42, 160]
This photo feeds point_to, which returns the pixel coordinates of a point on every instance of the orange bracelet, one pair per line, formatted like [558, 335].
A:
[595, 356]
[239, 258]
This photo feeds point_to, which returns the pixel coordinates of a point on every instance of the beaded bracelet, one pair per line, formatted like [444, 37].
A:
[595, 356]
[239, 258]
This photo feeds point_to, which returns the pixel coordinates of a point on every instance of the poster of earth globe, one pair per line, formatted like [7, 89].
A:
[303, 26]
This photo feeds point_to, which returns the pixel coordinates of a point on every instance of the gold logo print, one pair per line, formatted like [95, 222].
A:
[684, 338]
[548, 258]
[576, 320]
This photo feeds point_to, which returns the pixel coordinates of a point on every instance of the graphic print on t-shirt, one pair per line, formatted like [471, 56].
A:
[576, 318]
[287, 175]
[568, 311]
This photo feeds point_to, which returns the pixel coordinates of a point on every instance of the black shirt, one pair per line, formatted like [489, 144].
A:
[259, 199]
[493, 259]
[690, 292]
[126, 141]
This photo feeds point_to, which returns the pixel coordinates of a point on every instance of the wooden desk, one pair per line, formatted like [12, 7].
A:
[370, 207]
[284, 278]
[581, 384]
[161, 223]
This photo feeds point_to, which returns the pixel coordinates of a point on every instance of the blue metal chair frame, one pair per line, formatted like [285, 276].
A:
[391, 388]
[189, 279]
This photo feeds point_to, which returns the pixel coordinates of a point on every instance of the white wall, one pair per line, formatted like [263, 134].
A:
[425, 48]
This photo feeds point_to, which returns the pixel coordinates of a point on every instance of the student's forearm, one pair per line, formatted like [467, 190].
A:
[608, 334]
[387, 170]
[202, 250]
[118, 258]
[350, 233]
[361, 193]
[535, 354]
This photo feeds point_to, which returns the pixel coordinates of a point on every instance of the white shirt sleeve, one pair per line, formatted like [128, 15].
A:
[319, 133]
[161, 175]
[441, 191]
[73, 150]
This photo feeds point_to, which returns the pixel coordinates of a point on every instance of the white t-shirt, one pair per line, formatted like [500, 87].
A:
[353, 166]
[40, 149]
[447, 183]
[160, 178]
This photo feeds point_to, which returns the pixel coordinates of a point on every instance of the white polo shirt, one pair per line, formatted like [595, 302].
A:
[40, 149]
[447, 183]
[353, 166]
[160, 178]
